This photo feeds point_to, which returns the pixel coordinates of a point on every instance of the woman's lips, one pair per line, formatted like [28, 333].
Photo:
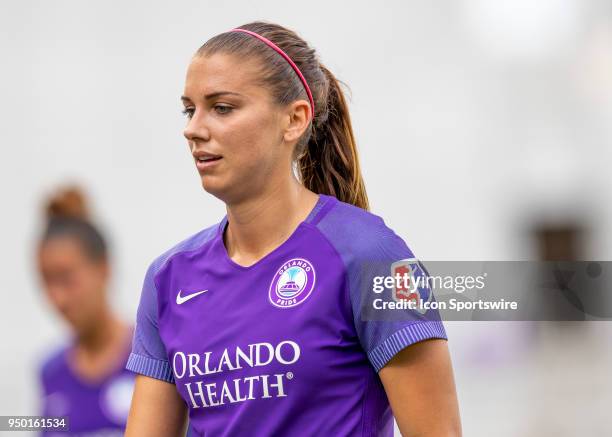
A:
[203, 165]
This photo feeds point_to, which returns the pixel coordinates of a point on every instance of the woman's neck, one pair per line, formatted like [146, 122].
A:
[107, 330]
[260, 224]
[101, 348]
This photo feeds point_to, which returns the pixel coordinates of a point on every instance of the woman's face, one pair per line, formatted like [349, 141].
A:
[235, 121]
[74, 284]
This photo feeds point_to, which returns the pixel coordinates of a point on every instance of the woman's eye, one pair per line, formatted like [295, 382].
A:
[222, 109]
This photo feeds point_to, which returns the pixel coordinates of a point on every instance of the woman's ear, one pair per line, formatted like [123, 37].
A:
[298, 114]
[104, 269]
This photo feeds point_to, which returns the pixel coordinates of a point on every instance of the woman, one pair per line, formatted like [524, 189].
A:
[253, 326]
[86, 379]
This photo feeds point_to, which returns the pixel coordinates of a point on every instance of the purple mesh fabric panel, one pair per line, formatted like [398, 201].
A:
[149, 355]
[368, 248]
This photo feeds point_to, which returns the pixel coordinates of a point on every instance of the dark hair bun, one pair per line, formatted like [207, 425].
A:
[67, 202]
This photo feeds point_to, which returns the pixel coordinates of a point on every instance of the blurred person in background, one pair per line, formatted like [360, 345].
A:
[84, 379]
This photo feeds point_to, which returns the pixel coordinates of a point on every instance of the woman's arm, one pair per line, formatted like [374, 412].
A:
[157, 410]
[420, 386]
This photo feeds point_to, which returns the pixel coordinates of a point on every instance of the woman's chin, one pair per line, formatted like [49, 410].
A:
[212, 186]
[228, 193]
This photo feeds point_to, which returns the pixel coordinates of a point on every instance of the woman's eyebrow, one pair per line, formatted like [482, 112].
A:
[212, 95]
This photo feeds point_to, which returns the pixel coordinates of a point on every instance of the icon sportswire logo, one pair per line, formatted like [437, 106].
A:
[182, 299]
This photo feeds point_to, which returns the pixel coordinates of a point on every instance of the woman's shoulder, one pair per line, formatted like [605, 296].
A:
[192, 242]
[52, 361]
[355, 232]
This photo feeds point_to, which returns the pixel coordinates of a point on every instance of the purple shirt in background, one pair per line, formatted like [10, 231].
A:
[279, 347]
[95, 408]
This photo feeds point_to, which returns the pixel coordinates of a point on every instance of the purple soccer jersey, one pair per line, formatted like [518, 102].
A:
[279, 347]
[94, 408]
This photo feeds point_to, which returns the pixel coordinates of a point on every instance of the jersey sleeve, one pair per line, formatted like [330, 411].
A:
[148, 356]
[43, 387]
[384, 332]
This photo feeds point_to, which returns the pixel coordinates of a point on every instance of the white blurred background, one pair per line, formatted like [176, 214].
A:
[495, 115]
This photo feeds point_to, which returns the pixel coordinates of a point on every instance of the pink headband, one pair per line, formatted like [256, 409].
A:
[287, 58]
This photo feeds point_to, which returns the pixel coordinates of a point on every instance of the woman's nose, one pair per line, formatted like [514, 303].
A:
[196, 128]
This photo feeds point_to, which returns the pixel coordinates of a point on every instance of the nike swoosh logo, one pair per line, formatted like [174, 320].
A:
[182, 299]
